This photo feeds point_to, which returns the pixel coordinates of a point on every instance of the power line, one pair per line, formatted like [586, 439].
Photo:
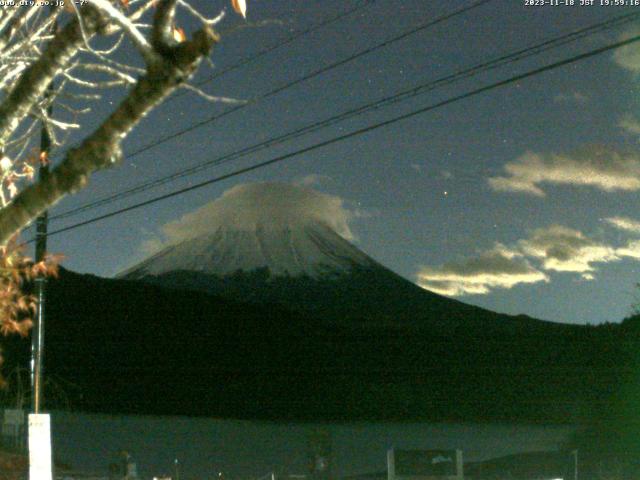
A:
[313, 74]
[386, 101]
[286, 41]
[357, 132]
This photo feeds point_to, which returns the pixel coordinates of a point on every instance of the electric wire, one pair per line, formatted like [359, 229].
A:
[386, 101]
[357, 132]
[290, 39]
[313, 74]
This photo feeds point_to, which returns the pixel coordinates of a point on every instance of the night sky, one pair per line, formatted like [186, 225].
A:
[523, 199]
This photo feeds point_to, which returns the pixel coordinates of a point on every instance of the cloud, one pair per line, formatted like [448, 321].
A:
[495, 268]
[575, 97]
[266, 205]
[596, 167]
[629, 124]
[555, 248]
[624, 223]
[151, 246]
[628, 57]
[563, 249]
[313, 179]
[631, 250]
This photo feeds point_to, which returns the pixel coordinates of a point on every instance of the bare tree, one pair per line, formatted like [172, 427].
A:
[66, 52]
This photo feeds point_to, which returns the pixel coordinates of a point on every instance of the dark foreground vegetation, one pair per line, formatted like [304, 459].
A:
[127, 347]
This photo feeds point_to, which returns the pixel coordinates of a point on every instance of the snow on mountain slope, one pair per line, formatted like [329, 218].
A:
[287, 229]
[311, 249]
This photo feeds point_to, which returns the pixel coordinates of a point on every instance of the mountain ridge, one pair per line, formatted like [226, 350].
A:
[347, 286]
[260, 311]
[132, 347]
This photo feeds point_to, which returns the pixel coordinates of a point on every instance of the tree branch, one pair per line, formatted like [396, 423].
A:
[162, 33]
[16, 20]
[36, 78]
[102, 149]
[128, 27]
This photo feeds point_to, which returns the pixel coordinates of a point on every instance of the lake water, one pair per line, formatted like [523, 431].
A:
[246, 449]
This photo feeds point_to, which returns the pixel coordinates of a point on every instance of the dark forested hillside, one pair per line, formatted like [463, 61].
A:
[137, 348]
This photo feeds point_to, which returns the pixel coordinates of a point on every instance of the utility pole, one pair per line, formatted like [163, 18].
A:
[42, 222]
[37, 335]
[40, 464]
[40, 456]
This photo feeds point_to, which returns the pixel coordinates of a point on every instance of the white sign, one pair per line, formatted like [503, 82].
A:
[40, 447]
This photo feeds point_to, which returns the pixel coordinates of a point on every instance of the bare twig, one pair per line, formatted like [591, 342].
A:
[36, 78]
[102, 149]
[212, 98]
[128, 28]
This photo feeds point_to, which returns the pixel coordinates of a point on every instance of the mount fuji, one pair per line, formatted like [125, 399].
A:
[259, 306]
[312, 249]
[287, 230]
[273, 243]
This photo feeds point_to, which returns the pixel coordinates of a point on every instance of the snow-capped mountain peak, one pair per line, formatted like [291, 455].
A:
[311, 249]
[286, 229]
